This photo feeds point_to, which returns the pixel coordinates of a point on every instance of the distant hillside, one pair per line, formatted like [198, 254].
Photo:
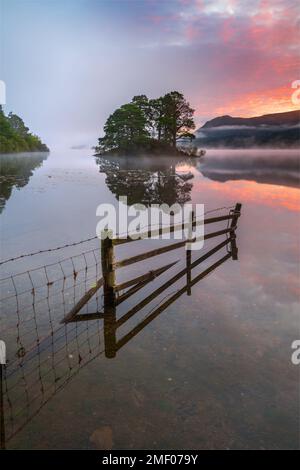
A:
[281, 130]
[290, 118]
[15, 136]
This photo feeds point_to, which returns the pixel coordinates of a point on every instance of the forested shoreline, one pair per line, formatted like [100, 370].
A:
[16, 137]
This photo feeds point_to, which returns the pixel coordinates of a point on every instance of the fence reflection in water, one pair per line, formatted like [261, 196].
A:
[60, 317]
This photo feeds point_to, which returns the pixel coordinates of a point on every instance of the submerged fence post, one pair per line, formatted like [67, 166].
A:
[109, 283]
[189, 259]
[108, 269]
[234, 250]
[110, 328]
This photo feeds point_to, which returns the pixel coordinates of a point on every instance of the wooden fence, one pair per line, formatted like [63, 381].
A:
[43, 367]
[112, 290]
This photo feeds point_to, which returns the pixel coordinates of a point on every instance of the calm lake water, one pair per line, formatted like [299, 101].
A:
[213, 370]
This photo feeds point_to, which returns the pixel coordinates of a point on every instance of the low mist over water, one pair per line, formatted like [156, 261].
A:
[281, 166]
[227, 343]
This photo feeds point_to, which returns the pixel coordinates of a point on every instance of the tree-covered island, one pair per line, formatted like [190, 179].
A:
[15, 136]
[148, 126]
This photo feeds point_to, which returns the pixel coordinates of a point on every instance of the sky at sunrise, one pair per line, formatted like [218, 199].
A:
[68, 64]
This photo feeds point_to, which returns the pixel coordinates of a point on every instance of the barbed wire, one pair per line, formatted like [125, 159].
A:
[80, 242]
[48, 250]
[47, 354]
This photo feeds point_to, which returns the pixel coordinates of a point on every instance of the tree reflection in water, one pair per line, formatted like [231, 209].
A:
[15, 172]
[154, 182]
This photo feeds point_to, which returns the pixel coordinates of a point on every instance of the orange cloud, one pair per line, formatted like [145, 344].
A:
[260, 102]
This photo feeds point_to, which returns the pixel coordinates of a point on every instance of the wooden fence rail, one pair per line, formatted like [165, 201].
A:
[111, 289]
[173, 228]
[83, 338]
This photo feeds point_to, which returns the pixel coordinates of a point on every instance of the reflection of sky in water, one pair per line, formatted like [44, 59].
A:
[215, 367]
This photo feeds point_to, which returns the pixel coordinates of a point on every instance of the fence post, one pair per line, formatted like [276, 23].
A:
[108, 270]
[110, 329]
[234, 250]
[109, 282]
[189, 260]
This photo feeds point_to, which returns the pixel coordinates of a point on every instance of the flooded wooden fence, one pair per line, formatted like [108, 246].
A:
[48, 354]
[111, 289]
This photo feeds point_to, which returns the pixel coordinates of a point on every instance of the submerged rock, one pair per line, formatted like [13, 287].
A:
[102, 438]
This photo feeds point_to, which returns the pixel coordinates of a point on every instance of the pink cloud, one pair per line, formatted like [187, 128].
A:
[192, 32]
[156, 19]
[228, 29]
[245, 53]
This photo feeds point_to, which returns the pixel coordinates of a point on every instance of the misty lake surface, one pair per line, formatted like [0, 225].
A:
[213, 370]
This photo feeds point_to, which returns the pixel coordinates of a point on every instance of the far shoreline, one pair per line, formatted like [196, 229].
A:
[193, 152]
[27, 152]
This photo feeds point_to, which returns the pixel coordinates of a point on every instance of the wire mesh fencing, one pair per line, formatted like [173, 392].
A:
[46, 313]
[44, 355]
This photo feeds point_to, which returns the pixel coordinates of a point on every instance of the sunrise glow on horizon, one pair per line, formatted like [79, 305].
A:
[68, 64]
